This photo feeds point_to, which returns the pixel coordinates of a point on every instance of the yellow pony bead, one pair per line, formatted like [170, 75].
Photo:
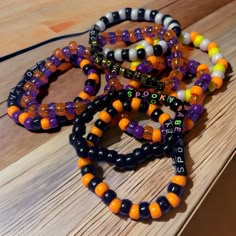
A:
[156, 41]
[134, 63]
[212, 87]
[187, 95]
[139, 47]
[197, 41]
[213, 51]
[219, 67]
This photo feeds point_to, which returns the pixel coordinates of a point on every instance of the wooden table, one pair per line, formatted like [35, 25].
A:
[40, 188]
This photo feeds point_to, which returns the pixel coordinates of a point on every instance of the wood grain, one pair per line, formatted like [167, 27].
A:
[40, 189]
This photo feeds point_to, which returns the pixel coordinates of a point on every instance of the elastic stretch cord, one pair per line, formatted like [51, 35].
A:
[6, 57]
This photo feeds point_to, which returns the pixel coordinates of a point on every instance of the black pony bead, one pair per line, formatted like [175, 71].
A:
[93, 183]
[116, 17]
[127, 106]
[130, 161]
[36, 125]
[120, 161]
[82, 150]
[144, 210]
[128, 13]
[157, 149]
[87, 116]
[86, 68]
[125, 207]
[111, 156]
[141, 53]
[141, 14]
[157, 50]
[88, 169]
[143, 106]
[101, 124]
[110, 55]
[164, 204]
[175, 188]
[156, 113]
[93, 138]
[147, 150]
[153, 15]
[139, 155]
[77, 99]
[93, 153]
[111, 111]
[108, 196]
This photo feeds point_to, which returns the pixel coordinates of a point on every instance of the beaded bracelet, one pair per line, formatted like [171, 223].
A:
[86, 148]
[23, 107]
[143, 210]
[125, 207]
[124, 14]
[134, 54]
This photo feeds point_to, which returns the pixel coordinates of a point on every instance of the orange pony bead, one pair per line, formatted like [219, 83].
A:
[163, 118]
[202, 67]
[156, 135]
[104, 116]
[11, 110]
[118, 105]
[73, 46]
[135, 103]
[212, 45]
[173, 199]
[115, 205]
[84, 62]
[84, 95]
[86, 179]
[101, 188]
[94, 77]
[218, 81]
[148, 132]
[149, 40]
[179, 179]
[23, 116]
[134, 212]
[155, 210]
[95, 130]
[193, 35]
[83, 162]
[45, 123]
[196, 90]
[123, 123]
[223, 62]
[135, 84]
[188, 124]
[150, 109]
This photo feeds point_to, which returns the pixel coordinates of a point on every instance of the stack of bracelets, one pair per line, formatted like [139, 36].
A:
[159, 70]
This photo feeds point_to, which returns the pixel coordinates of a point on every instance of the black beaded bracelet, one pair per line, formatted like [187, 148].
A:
[87, 148]
[125, 207]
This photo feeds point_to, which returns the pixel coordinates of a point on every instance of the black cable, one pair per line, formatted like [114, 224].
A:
[6, 57]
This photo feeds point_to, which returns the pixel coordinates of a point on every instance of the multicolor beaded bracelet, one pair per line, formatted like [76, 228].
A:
[23, 107]
[125, 207]
[133, 54]
[134, 14]
[86, 148]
